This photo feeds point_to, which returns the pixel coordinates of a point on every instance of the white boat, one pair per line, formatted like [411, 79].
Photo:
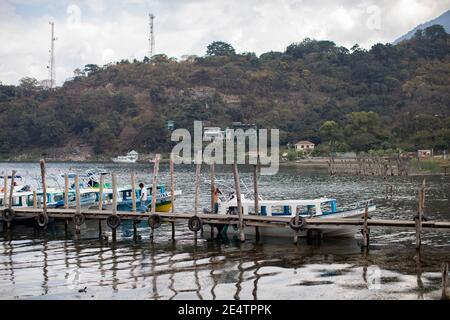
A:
[320, 208]
[131, 157]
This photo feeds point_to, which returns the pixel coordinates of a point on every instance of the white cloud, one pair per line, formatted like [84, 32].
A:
[98, 31]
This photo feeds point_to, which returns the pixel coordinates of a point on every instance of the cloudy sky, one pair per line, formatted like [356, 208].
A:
[103, 31]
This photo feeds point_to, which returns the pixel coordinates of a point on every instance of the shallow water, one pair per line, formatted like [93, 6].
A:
[51, 264]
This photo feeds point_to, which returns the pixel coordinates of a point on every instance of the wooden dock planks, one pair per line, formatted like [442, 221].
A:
[233, 219]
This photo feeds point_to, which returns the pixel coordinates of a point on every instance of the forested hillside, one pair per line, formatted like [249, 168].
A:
[392, 96]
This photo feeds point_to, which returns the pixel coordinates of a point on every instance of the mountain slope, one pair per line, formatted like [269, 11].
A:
[392, 96]
[443, 20]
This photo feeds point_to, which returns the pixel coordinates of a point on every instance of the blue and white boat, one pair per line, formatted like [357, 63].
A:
[320, 208]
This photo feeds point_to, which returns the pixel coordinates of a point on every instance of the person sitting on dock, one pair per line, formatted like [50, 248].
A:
[144, 197]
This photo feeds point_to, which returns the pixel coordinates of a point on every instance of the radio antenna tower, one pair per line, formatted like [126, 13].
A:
[151, 39]
[51, 66]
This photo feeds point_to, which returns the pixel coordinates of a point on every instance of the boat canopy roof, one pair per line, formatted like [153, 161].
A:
[290, 202]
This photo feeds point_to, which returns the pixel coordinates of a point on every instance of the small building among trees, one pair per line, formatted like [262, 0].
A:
[304, 146]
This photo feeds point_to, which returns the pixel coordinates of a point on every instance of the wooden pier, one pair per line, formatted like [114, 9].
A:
[196, 220]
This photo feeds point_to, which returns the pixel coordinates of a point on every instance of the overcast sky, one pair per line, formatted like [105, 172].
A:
[103, 31]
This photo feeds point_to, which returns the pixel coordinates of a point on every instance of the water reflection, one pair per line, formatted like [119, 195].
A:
[211, 270]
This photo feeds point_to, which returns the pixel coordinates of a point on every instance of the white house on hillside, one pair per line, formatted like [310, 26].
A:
[304, 146]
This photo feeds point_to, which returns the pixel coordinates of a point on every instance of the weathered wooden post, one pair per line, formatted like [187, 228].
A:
[11, 191]
[100, 193]
[297, 218]
[66, 199]
[77, 200]
[44, 190]
[154, 188]
[34, 199]
[213, 194]
[5, 189]
[237, 185]
[419, 217]
[100, 203]
[133, 203]
[114, 204]
[256, 194]
[155, 182]
[172, 192]
[133, 192]
[365, 227]
[445, 295]
[11, 194]
[197, 186]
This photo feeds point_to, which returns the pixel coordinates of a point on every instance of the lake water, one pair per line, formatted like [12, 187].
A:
[37, 264]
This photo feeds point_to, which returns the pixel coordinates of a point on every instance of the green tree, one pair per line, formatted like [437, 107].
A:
[220, 48]
[29, 85]
[91, 68]
[331, 133]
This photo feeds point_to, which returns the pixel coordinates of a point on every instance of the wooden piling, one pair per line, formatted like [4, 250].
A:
[77, 201]
[297, 218]
[34, 199]
[114, 189]
[5, 189]
[213, 194]
[213, 187]
[197, 185]
[445, 295]
[11, 191]
[155, 182]
[100, 203]
[237, 185]
[133, 203]
[114, 204]
[365, 227]
[66, 199]
[44, 188]
[66, 191]
[154, 189]
[172, 184]
[100, 193]
[256, 195]
[419, 216]
[133, 192]
[172, 193]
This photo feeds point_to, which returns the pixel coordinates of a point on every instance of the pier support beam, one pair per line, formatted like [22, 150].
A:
[445, 295]
[172, 192]
[5, 189]
[114, 204]
[213, 195]
[100, 204]
[11, 193]
[78, 204]
[419, 218]
[237, 184]
[256, 194]
[366, 230]
[66, 200]
[44, 191]
[198, 161]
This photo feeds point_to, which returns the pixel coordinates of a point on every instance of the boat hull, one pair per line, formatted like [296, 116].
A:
[328, 231]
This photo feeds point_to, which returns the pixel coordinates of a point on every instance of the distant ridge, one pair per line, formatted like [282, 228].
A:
[443, 20]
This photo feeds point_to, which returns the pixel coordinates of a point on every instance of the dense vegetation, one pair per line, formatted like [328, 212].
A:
[387, 97]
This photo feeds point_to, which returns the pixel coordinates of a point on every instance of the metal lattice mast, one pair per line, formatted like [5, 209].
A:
[51, 66]
[151, 39]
